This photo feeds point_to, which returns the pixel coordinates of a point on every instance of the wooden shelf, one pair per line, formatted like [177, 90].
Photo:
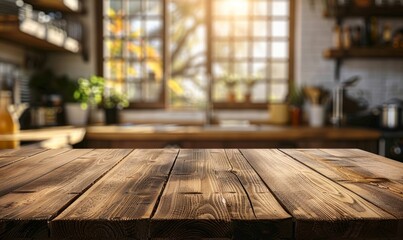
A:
[35, 35]
[364, 52]
[67, 6]
[352, 12]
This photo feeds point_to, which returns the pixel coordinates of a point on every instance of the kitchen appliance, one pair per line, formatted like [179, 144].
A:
[392, 115]
[391, 145]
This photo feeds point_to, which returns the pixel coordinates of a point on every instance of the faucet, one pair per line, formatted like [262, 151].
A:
[338, 95]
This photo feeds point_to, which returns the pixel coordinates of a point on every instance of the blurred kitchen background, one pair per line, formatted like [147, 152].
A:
[287, 63]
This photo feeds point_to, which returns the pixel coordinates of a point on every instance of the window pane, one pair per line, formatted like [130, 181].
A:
[134, 71]
[241, 49]
[222, 28]
[280, 8]
[220, 91]
[134, 7]
[260, 49]
[260, 28]
[279, 29]
[133, 91]
[220, 69]
[113, 48]
[241, 28]
[259, 70]
[279, 70]
[259, 94]
[260, 7]
[187, 35]
[278, 92]
[153, 28]
[114, 69]
[136, 28]
[154, 7]
[279, 50]
[241, 70]
[114, 27]
[112, 8]
[221, 49]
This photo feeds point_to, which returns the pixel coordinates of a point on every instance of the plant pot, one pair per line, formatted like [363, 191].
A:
[111, 116]
[75, 115]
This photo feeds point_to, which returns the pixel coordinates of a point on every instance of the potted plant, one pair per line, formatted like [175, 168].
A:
[230, 83]
[295, 100]
[82, 98]
[112, 103]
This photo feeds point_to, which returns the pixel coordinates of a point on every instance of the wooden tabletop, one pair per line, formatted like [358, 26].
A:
[200, 194]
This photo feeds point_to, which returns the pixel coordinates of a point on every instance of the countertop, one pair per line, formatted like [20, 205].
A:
[200, 194]
[52, 137]
[216, 132]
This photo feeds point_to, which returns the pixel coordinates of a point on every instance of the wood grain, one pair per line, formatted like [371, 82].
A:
[9, 156]
[322, 209]
[192, 205]
[207, 196]
[120, 204]
[26, 211]
[242, 184]
[20, 173]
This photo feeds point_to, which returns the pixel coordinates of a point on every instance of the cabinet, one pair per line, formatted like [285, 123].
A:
[26, 25]
[373, 9]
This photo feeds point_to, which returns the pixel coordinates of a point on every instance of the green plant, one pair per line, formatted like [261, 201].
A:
[115, 100]
[295, 96]
[89, 91]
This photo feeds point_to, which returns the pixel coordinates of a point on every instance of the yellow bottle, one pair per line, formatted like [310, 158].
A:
[8, 121]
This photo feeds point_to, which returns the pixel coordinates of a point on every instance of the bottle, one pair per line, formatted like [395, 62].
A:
[337, 39]
[8, 121]
[386, 34]
[347, 37]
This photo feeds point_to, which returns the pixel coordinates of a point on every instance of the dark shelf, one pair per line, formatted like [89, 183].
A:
[352, 11]
[364, 52]
[36, 35]
[57, 5]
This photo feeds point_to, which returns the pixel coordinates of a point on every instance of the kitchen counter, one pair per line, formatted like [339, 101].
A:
[215, 136]
[52, 137]
[200, 194]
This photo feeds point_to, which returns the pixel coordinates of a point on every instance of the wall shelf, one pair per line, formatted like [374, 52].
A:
[66, 6]
[364, 52]
[374, 11]
[33, 34]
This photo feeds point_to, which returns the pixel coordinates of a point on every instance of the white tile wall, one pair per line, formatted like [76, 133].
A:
[380, 79]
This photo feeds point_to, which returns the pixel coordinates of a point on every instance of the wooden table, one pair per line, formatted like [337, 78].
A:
[200, 193]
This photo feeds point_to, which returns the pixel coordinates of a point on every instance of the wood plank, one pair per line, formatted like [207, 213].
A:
[322, 209]
[373, 180]
[240, 183]
[15, 155]
[211, 195]
[192, 205]
[18, 174]
[26, 211]
[121, 203]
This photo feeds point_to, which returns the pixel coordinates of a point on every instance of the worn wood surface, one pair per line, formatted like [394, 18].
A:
[9, 156]
[120, 204]
[200, 194]
[321, 208]
[35, 203]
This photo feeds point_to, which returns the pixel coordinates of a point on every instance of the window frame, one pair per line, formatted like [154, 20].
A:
[162, 101]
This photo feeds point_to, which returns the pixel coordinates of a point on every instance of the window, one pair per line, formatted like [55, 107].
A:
[165, 52]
